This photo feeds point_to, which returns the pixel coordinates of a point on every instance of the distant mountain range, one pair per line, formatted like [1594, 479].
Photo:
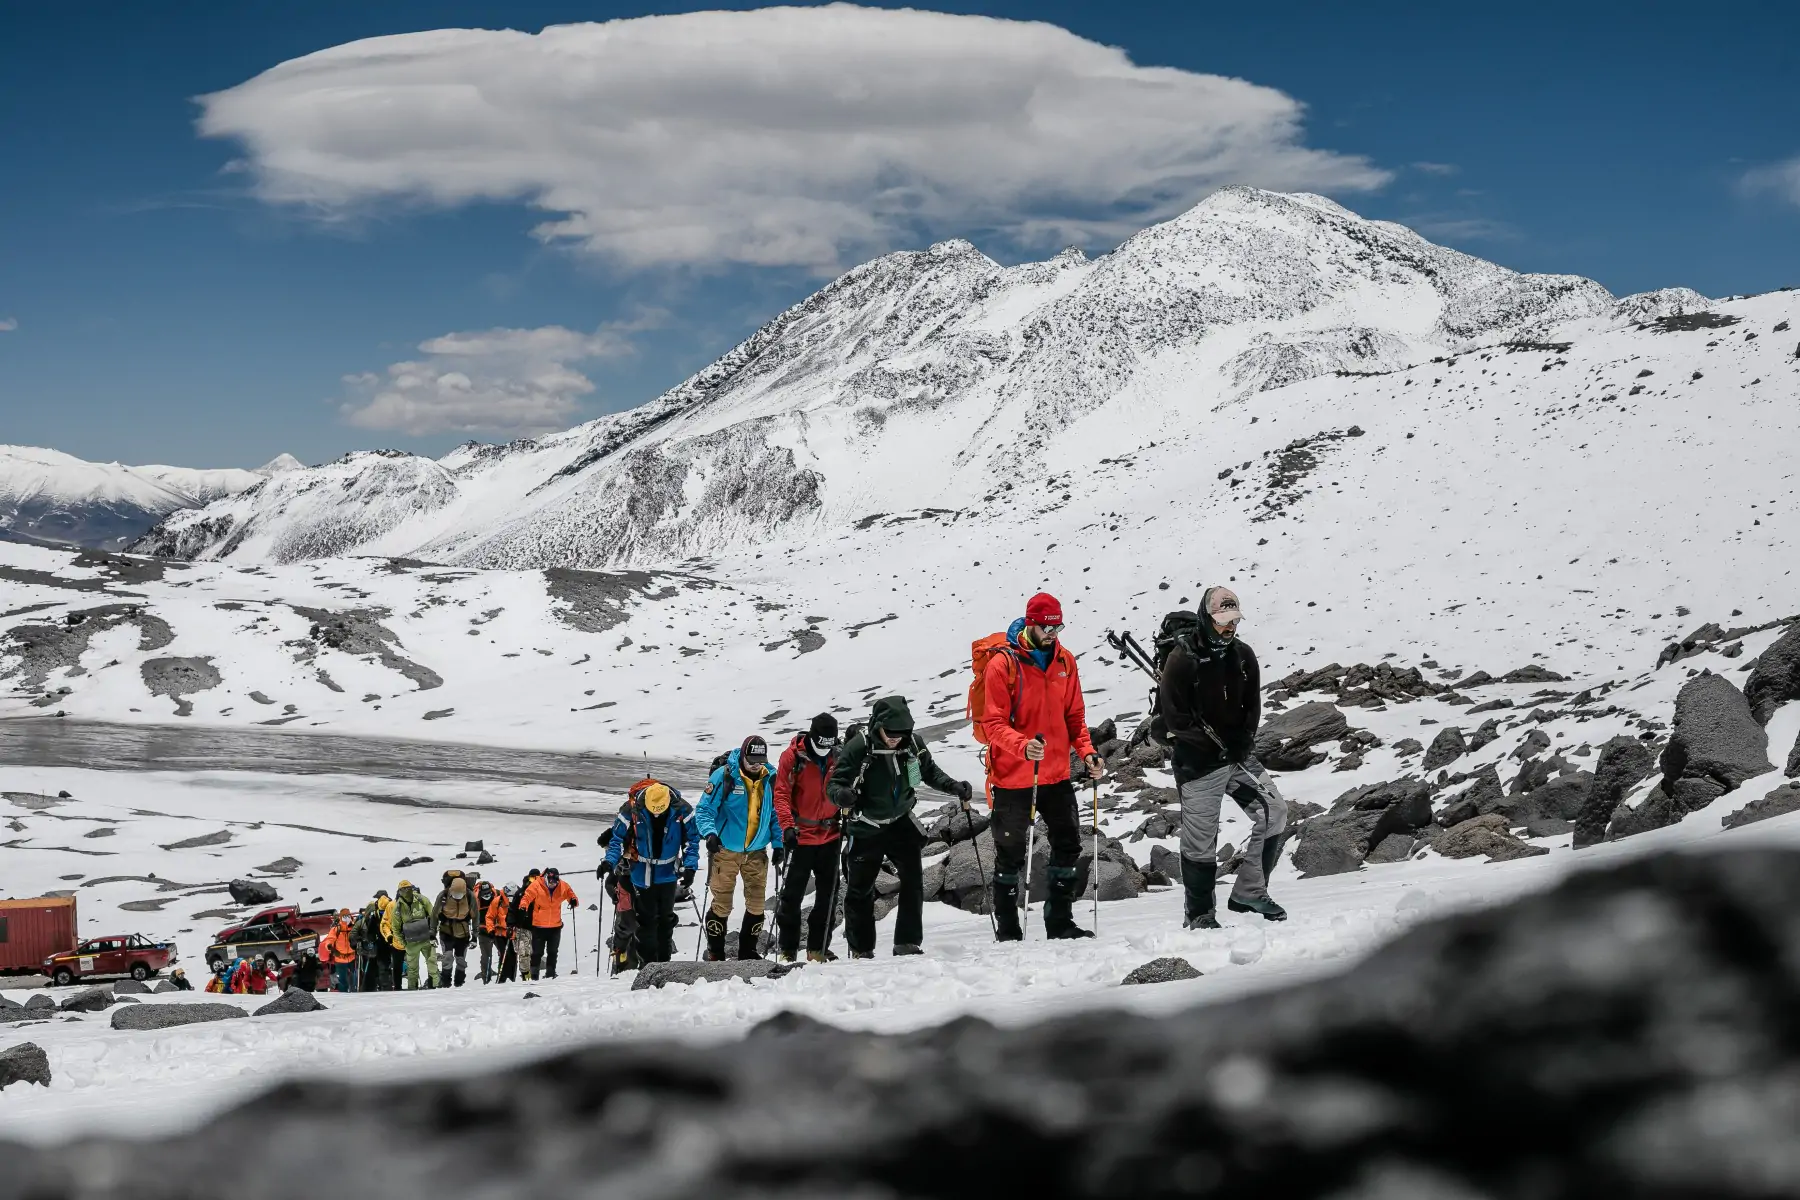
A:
[51, 498]
[927, 379]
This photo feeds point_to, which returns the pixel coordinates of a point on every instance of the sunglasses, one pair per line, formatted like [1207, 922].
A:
[1052, 630]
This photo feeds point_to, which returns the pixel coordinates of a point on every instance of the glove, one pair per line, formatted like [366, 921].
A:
[965, 792]
[780, 854]
[687, 877]
[712, 843]
[790, 838]
[602, 871]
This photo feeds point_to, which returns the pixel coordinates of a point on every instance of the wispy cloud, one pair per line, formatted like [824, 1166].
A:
[506, 382]
[1436, 168]
[8, 324]
[782, 136]
[1446, 227]
[1782, 179]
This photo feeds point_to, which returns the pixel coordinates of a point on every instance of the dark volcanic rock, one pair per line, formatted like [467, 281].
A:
[294, 1000]
[1621, 1079]
[1285, 741]
[1335, 842]
[1624, 763]
[1163, 970]
[130, 987]
[88, 1000]
[1776, 677]
[1715, 736]
[1783, 800]
[167, 1016]
[252, 891]
[1655, 811]
[27, 1062]
[655, 975]
[1446, 748]
[1483, 835]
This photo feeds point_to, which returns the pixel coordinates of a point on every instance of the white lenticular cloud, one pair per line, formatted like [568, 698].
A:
[510, 382]
[781, 136]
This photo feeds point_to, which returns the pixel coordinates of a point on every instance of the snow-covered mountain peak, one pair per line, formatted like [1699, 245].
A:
[55, 497]
[279, 464]
[926, 379]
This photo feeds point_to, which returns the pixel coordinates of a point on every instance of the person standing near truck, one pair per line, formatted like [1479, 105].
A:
[412, 920]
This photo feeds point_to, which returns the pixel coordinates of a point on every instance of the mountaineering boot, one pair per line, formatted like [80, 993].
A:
[1197, 880]
[900, 948]
[1271, 853]
[782, 956]
[1265, 908]
[1006, 909]
[1059, 920]
[444, 977]
[820, 956]
[749, 933]
[715, 937]
[862, 954]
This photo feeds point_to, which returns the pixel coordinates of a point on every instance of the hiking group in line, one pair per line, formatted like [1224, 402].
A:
[827, 813]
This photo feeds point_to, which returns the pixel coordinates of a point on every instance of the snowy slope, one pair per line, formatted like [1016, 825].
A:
[916, 379]
[55, 497]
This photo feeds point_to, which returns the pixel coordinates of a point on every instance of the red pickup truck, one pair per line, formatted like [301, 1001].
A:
[121, 954]
[318, 921]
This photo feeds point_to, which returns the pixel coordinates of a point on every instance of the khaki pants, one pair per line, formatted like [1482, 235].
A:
[521, 939]
[727, 865]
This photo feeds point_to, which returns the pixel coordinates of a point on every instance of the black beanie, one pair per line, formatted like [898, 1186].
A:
[823, 726]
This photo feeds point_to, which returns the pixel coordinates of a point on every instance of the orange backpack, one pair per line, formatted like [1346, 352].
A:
[981, 652]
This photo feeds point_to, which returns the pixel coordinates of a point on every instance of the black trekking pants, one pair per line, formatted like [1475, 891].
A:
[901, 843]
[1056, 804]
[655, 921]
[819, 865]
[544, 943]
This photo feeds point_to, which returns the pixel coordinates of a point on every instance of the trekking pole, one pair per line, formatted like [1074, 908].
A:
[980, 872]
[1030, 845]
[1095, 870]
[700, 937]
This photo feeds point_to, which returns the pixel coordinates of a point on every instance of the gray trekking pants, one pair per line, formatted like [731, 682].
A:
[1200, 800]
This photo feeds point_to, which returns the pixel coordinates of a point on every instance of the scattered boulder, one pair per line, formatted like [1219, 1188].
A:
[1162, 970]
[1488, 732]
[1158, 824]
[1395, 847]
[27, 1063]
[656, 975]
[1532, 673]
[130, 987]
[1165, 862]
[484, 858]
[412, 862]
[1115, 882]
[1776, 677]
[1334, 842]
[1406, 746]
[1482, 796]
[1534, 743]
[1560, 799]
[163, 987]
[252, 891]
[88, 1000]
[294, 1000]
[1487, 835]
[1779, 802]
[1446, 748]
[968, 872]
[1285, 741]
[954, 825]
[1715, 736]
[473, 847]
[39, 1003]
[1624, 762]
[168, 1016]
[1655, 811]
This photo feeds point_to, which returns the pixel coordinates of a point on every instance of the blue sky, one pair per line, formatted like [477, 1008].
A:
[172, 307]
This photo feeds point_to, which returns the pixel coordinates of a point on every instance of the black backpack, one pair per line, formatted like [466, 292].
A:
[1179, 628]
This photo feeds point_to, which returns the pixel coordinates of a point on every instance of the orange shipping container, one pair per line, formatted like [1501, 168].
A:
[32, 930]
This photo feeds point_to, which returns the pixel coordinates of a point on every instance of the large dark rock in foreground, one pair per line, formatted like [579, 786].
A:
[1630, 1033]
[1776, 678]
[1715, 738]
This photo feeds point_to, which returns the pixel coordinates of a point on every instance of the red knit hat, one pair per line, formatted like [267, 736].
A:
[1043, 609]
